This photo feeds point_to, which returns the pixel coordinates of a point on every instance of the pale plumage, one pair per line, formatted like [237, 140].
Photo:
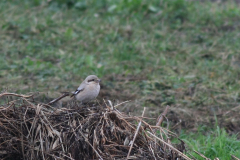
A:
[88, 89]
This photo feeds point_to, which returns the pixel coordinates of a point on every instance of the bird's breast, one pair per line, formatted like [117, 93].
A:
[93, 89]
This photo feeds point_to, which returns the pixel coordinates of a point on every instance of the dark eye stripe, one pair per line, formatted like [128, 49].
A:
[90, 80]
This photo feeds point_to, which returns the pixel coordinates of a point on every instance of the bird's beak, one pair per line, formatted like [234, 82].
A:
[99, 80]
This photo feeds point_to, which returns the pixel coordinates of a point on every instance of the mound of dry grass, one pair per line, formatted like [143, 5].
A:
[30, 130]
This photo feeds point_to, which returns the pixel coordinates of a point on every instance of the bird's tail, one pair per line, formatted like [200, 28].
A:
[64, 94]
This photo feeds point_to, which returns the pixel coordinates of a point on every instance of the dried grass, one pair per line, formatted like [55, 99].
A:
[30, 130]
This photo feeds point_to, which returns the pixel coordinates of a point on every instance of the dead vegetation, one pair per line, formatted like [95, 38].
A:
[33, 130]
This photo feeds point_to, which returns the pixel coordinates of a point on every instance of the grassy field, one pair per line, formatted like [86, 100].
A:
[155, 53]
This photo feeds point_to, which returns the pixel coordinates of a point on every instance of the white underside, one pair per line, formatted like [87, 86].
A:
[89, 93]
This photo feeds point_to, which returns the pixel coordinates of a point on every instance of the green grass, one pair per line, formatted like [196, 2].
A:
[215, 143]
[185, 53]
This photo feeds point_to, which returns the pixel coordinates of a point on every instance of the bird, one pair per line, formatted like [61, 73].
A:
[88, 89]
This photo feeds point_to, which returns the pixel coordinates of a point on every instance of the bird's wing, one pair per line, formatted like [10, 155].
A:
[79, 89]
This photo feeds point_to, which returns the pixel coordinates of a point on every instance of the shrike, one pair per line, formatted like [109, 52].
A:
[88, 89]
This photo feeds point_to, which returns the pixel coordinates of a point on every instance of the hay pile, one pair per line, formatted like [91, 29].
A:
[30, 130]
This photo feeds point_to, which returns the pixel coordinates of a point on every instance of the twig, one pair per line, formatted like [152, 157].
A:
[152, 151]
[107, 105]
[136, 133]
[160, 119]
[235, 157]
[159, 122]
[201, 155]
[7, 107]
[231, 110]
[22, 142]
[66, 156]
[90, 145]
[54, 131]
[41, 143]
[121, 103]
[170, 146]
[17, 95]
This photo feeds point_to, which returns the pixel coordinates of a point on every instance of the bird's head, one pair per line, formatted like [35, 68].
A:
[92, 79]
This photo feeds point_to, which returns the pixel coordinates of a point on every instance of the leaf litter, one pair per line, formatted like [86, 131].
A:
[30, 130]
